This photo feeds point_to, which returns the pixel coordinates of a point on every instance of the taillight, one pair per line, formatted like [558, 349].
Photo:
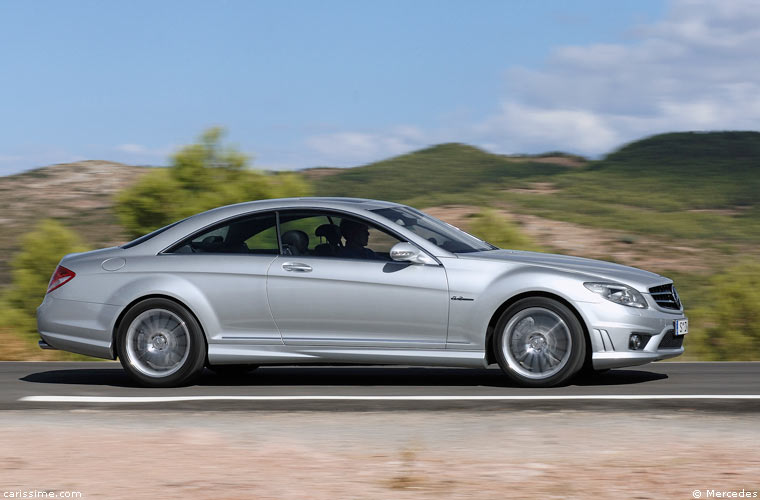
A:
[61, 276]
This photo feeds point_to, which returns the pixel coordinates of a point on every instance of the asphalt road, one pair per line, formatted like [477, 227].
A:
[732, 387]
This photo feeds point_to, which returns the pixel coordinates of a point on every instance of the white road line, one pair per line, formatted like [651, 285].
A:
[172, 399]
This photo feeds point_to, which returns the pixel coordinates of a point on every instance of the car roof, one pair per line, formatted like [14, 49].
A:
[198, 221]
[305, 202]
[361, 203]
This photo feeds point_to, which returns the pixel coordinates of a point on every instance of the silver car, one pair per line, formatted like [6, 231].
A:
[345, 280]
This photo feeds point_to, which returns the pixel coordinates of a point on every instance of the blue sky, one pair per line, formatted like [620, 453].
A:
[300, 84]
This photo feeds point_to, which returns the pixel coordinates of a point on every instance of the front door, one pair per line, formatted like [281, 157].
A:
[334, 284]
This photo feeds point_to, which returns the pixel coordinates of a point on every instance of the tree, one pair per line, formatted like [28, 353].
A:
[31, 269]
[202, 176]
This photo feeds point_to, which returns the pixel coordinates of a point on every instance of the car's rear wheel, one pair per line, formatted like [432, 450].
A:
[539, 342]
[160, 344]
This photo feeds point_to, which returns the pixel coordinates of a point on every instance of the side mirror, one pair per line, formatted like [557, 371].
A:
[406, 252]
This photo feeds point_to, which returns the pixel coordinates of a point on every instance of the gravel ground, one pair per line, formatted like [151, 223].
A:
[404, 455]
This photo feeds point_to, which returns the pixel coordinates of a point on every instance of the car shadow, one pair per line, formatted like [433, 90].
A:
[114, 377]
[340, 376]
[617, 377]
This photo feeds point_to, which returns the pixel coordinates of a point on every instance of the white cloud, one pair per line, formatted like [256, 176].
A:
[695, 69]
[139, 154]
[132, 148]
[350, 148]
[517, 127]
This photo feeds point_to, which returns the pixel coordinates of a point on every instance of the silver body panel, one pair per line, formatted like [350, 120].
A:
[252, 310]
[344, 302]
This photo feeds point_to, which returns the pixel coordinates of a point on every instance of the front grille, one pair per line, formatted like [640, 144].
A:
[666, 296]
[671, 341]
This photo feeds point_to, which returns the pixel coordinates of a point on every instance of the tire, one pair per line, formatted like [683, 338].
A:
[232, 371]
[539, 342]
[160, 344]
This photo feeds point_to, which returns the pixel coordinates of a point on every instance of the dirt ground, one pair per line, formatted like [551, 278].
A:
[574, 239]
[399, 455]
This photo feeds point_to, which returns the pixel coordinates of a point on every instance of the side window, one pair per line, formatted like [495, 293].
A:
[253, 234]
[327, 234]
[298, 232]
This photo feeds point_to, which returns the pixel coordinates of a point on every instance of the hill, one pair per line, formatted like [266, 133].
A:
[438, 170]
[718, 170]
[683, 148]
[683, 185]
[679, 185]
[79, 194]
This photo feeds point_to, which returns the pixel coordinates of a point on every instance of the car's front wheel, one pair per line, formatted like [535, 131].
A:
[539, 342]
[160, 344]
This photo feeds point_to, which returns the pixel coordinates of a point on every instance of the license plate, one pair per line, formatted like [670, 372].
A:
[681, 326]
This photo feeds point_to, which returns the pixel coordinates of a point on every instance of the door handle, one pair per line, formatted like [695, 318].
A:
[296, 267]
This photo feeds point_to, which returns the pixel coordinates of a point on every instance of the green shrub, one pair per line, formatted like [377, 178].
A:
[31, 269]
[728, 326]
[492, 227]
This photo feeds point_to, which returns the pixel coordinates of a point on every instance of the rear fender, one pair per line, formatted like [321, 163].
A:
[173, 287]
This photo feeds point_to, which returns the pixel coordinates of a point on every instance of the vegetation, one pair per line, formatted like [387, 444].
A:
[682, 189]
[494, 228]
[681, 185]
[684, 185]
[31, 269]
[202, 176]
[456, 169]
[730, 324]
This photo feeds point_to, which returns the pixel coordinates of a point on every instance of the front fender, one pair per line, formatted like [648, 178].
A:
[490, 286]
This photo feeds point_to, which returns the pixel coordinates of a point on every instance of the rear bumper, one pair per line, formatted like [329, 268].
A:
[74, 326]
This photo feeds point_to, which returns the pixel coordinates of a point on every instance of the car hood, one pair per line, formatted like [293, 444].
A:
[605, 271]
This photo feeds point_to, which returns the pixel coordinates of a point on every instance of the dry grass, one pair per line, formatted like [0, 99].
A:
[646, 252]
[14, 347]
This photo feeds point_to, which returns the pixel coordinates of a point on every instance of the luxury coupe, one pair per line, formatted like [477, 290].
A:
[346, 280]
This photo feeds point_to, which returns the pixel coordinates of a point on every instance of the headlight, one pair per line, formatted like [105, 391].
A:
[619, 294]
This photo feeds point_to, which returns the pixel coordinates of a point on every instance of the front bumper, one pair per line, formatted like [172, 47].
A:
[610, 326]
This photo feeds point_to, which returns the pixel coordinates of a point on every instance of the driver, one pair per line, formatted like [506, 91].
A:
[357, 238]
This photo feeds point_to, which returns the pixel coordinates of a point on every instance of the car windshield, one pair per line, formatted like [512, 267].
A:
[436, 231]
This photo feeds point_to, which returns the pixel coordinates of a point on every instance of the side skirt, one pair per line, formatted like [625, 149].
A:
[221, 354]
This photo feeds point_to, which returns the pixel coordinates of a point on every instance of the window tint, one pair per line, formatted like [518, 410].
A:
[254, 234]
[327, 234]
[148, 236]
[436, 231]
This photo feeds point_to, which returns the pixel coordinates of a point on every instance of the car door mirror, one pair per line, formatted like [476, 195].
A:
[406, 252]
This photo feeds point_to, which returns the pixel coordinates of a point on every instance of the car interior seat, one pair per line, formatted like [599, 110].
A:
[331, 233]
[211, 244]
[295, 242]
